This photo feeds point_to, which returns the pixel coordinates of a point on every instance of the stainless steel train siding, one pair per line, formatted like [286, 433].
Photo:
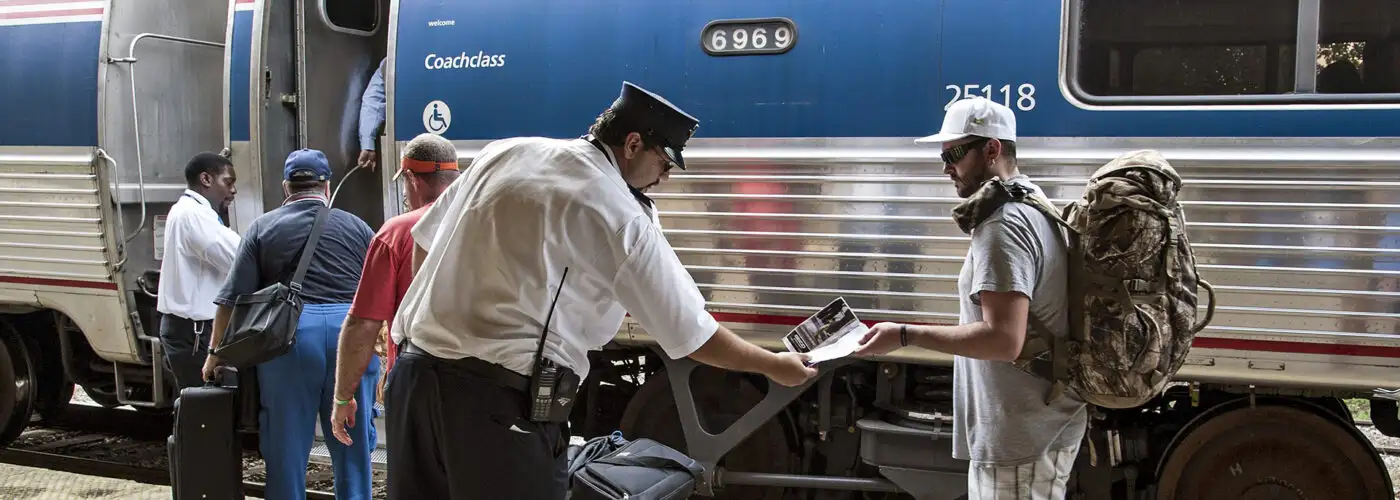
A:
[1298, 237]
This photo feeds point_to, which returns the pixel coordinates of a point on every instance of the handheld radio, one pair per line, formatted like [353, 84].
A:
[552, 387]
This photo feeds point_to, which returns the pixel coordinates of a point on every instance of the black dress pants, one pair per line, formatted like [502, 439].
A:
[454, 434]
[185, 345]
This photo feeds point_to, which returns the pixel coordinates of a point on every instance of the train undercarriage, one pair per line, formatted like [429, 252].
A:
[866, 429]
[46, 358]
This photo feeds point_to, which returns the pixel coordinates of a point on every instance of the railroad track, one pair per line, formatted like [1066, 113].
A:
[101, 442]
[118, 470]
[1382, 449]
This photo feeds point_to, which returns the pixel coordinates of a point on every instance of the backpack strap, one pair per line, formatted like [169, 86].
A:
[1058, 370]
[322, 213]
[1044, 206]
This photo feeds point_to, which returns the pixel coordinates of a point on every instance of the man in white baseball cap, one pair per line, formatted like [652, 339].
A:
[1018, 445]
[975, 124]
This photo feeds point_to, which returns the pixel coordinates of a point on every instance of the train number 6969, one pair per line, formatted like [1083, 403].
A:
[746, 37]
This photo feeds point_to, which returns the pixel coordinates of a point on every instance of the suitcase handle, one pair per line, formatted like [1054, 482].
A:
[221, 370]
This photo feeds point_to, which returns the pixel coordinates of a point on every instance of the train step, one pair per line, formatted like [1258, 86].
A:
[379, 458]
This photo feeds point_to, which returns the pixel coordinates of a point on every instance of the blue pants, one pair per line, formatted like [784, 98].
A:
[297, 388]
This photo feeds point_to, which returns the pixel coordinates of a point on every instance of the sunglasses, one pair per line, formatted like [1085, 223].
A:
[956, 153]
[666, 156]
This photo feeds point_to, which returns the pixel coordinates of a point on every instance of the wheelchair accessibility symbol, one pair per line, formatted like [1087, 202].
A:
[437, 117]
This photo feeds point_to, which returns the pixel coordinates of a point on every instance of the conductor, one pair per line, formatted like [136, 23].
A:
[479, 400]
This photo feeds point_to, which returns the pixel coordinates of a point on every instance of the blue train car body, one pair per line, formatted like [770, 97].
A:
[883, 68]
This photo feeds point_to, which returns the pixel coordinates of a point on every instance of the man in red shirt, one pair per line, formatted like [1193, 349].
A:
[428, 167]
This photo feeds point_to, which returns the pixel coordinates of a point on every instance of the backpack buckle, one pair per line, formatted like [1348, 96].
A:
[1016, 191]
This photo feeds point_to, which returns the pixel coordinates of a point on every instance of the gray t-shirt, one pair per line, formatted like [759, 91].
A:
[999, 412]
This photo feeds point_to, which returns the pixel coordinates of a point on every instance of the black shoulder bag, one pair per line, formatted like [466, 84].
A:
[637, 470]
[263, 325]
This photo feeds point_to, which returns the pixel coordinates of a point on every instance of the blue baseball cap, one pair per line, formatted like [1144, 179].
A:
[306, 165]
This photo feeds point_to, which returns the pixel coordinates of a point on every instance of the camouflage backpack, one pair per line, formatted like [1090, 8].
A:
[1132, 285]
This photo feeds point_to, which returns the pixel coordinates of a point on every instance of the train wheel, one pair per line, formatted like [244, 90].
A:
[1275, 453]
[7, 387]
[18, 385]
[53, 403]
[54, 389]
[723, 398]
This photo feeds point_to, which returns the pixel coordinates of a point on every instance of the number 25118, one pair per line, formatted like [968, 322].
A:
[1024, 99]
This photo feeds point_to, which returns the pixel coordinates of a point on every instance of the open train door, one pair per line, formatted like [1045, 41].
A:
[244, 39]
[296, 73]
[262, 96]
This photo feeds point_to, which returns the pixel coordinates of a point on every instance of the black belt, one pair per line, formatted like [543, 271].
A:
[187, 320]
[487, 370]
[181, 320]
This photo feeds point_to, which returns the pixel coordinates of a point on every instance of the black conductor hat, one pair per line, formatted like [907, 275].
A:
[654, 116]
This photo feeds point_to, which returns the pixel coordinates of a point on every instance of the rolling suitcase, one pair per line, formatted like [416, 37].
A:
[206, 458]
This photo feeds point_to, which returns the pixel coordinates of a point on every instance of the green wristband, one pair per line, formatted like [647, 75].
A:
[340, 402]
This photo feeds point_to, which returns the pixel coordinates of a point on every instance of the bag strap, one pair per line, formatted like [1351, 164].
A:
[1043, 206]
[652, 462]
[594, 449]
[1059, 346]
[1059, 356]
[322, 213]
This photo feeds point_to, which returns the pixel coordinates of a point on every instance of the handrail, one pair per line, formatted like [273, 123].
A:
[135, 113]
[117, 195]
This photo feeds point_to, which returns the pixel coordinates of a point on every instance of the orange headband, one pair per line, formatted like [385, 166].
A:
[427, 167]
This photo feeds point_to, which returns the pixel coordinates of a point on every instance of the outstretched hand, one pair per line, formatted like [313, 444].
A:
[882, 338]
[792, 369]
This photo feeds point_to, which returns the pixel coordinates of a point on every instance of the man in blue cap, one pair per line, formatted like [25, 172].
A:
[535, 217]
[295, 389]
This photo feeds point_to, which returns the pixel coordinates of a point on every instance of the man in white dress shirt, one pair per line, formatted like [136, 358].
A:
[199, 251]
[532, 217]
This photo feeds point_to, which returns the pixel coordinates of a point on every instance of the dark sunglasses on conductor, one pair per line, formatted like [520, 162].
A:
[666, 157]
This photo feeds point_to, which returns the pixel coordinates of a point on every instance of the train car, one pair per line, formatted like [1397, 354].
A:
[804, 185]
[101, 105]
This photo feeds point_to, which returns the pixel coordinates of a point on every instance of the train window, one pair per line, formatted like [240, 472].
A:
[1202, 70]
[360, 17]
[1351, 34]
[1234, 51]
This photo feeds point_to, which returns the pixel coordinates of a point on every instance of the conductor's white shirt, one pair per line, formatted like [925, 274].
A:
[499, 238]
[199, 252]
